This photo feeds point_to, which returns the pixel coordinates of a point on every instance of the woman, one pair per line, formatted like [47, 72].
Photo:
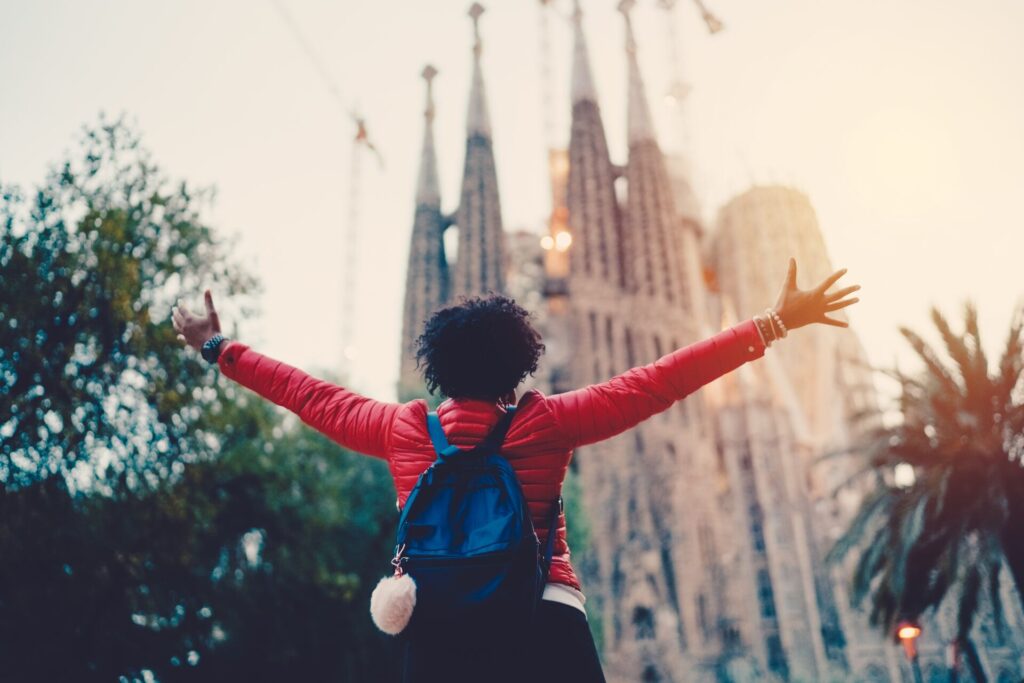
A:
[476, 354]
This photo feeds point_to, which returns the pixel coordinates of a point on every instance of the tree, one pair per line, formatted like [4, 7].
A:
[256, 565]
[157, 521]
[950, 531]
[89, 267]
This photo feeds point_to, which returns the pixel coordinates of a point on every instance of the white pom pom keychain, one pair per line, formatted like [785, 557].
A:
[393, 599]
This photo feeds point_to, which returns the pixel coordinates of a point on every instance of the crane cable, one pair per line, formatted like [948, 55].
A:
[360, 142]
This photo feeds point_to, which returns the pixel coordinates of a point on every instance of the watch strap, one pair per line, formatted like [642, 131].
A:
[211, 348]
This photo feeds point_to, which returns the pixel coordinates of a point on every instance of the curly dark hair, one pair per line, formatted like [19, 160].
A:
[481, 348]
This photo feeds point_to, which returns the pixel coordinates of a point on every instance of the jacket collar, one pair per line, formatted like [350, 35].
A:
[474, 404]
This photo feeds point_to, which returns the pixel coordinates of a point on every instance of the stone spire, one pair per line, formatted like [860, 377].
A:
[428, 188]
[638, 115]
[654, 244]
[426, 280]
[478, 268]
[478, 119]
[594, 218]
[582, 77]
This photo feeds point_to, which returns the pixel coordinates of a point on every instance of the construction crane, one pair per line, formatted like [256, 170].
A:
[361, 146]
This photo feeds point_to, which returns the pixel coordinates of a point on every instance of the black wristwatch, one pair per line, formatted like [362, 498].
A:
[211, 348]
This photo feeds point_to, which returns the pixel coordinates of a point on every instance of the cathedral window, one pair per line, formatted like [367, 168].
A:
[764, 594]
[592, 319]
[609, 341]
[776, 658]
[630, 353]
[651, 675]
[643, 623]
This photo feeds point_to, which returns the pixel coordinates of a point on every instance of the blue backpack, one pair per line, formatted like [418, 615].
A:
[466, 538]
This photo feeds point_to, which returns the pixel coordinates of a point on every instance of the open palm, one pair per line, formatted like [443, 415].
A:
[192, 329]
[799, 307]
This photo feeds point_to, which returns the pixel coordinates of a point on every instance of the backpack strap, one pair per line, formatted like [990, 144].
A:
[490, 444]
[437, 437]
[549, 546]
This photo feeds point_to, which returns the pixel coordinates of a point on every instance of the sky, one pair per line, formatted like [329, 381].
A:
[901, 119]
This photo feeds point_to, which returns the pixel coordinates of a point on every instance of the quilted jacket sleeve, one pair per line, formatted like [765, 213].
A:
[600, 411]
[354, 421]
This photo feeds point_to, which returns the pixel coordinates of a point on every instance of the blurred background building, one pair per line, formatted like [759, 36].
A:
[709, 523]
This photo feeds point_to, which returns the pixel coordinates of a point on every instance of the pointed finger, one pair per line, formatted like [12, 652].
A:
[833, 296]
[791, 274]
[835, 306]
[831, 321]
[208, 300]
[831, 280]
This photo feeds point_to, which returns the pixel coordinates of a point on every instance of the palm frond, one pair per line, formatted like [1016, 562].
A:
[955, 345]
[931, 360]
[907, 521]
[873, 507]
[967, 606]
[1012, 362]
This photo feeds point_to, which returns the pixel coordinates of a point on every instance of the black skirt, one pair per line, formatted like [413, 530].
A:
[560, 649]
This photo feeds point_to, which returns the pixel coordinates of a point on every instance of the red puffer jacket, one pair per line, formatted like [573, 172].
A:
[542, 436]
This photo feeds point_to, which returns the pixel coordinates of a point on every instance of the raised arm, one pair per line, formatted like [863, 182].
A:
[350, 419]
[600, 411]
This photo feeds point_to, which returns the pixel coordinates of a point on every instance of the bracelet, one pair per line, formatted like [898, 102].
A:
[778, 319]
[757, 326]
[771, 323]
[764, 331]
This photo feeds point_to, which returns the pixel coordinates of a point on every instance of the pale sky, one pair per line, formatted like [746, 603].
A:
[901, 119]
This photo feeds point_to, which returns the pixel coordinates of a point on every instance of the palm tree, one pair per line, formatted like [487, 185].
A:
[950, 531]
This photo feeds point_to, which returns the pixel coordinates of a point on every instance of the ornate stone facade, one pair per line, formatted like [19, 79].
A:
[709, 522]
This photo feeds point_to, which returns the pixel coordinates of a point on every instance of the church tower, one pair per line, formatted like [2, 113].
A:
[426, 279]
[479, 266]
[594, 217]
[639, 488]
[657, 266]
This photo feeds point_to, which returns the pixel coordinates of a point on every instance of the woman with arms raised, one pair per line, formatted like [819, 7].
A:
[477, 353]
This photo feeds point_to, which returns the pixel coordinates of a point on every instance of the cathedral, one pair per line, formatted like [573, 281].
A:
[709, 523]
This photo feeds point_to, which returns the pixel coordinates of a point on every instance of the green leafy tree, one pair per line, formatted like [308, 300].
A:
[157, 521]
[950, 532]
[90, 265]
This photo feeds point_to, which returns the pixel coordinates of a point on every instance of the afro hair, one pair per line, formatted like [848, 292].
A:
[481, 348]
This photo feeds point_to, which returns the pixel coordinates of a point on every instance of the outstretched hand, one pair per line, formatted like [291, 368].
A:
[799, 307]
[192, 329]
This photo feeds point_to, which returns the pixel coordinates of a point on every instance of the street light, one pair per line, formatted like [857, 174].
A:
[908, 632]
